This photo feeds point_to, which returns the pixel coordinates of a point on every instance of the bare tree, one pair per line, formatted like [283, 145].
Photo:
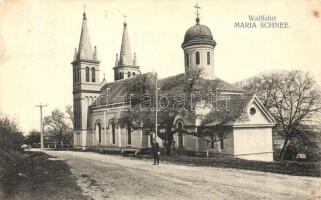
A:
[181, 86]
[293, 98]
[70, 113]
[58, 127]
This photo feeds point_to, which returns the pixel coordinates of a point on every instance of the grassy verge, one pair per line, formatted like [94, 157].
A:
[295, 168]
[286, 167]
[32, 176]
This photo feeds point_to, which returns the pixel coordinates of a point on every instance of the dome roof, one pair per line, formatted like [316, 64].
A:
[198, 34]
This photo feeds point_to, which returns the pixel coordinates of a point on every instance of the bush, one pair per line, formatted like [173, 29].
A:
[11, 139]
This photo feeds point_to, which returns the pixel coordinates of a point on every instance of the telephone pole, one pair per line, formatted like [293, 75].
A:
[156, 105]
[41, 124]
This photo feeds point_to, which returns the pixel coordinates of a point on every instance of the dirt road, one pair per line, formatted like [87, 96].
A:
[116, 177]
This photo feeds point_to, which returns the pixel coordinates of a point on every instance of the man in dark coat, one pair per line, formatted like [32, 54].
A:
[155, 151]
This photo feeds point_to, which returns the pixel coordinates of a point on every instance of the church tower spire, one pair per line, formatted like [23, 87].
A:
[85, 50]
[86, 84]
[125, 66]
[126, 57]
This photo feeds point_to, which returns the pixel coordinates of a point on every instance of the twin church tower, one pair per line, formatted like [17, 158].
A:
[198, 46]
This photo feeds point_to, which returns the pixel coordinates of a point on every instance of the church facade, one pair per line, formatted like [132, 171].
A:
[248, 131]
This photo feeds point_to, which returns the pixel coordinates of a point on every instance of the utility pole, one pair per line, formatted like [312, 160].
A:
[41, 124]
[156, 105]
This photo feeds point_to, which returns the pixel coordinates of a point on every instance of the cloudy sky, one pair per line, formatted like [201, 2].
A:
[38, 37]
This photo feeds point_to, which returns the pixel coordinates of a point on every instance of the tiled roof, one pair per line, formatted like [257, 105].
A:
[119, 91]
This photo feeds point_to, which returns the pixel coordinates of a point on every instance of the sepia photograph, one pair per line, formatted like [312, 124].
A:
[160, 99]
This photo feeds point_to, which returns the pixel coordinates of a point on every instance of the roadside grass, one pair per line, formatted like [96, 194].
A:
[281, 167]
[31, 175]
[295, 168]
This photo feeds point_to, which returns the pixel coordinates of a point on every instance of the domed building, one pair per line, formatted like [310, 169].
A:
[226, 120]
[198, 49]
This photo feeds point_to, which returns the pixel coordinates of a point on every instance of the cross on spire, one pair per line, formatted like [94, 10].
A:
[125, 23]
[197, 13]
[84, 14]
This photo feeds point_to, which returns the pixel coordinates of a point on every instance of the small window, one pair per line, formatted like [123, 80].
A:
[197, 57]
[93, 75]
[87, 74]
[252, 111]
[186, 60]
[134, 74]
[208, 58]
[128, 74]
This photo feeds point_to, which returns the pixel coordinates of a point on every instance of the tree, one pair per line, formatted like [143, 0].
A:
[292, 97]
[70, 114]
[33, 138]
[177, 92]
[58, 127]
[11, 138]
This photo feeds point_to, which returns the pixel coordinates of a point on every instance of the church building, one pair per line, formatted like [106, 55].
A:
[248, 130]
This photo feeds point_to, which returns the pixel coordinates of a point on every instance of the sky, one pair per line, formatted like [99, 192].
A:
[38, 37]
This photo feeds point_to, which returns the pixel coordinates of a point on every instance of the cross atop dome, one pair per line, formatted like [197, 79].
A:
[197, 13]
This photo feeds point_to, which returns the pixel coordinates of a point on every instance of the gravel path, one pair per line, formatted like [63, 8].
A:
[115, 177]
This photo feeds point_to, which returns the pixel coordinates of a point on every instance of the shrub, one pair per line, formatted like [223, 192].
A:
[10, 136]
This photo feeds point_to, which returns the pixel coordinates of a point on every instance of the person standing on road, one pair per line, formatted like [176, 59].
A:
[155, 151]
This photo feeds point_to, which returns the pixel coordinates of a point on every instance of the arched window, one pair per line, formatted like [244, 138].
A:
[74, 76]
[128, 74]
[129, 134]
[75, 115]
[197, 57]
[87, 74]
[79, 115]
[113, 132]
[93, 75]
[98, 131]
[221, 137]
[208, 58]
[186, 60]
[78, 76]
[180, 126]
[134, 74]
[212, 138]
